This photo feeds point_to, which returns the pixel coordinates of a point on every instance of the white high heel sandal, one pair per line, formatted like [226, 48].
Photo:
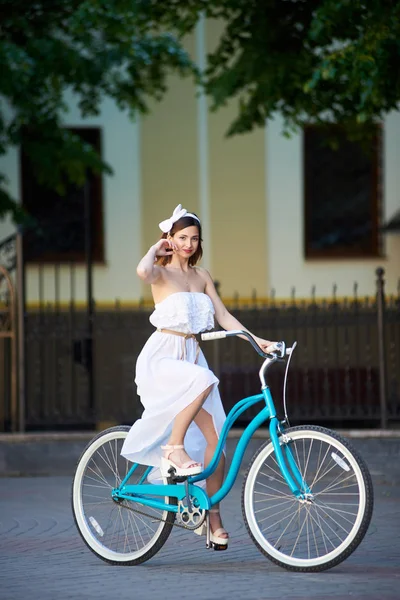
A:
[190, 467]
[214, 537]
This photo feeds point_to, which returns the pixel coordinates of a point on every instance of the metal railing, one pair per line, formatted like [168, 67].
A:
[347, 369]
[8, 352]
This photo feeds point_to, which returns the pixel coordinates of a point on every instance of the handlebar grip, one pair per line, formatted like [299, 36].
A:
[215, 335]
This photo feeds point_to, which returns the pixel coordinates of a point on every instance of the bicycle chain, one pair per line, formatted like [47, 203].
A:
[140, 512]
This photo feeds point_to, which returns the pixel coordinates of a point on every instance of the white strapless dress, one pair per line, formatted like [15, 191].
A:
[169, 379]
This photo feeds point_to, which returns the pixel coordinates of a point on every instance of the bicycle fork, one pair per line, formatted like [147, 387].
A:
[287, 463]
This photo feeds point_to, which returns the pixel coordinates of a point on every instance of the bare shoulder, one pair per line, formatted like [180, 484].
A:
[208, 282]
[203, 273]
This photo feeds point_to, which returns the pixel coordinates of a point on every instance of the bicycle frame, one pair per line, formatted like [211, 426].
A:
[285, 461]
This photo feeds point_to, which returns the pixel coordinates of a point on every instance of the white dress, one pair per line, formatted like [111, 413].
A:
[169, 379]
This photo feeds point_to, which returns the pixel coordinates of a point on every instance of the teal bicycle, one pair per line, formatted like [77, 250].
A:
[307, 495]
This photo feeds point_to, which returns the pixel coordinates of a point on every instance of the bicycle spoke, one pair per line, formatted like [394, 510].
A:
[330, 517]
[314, 538]
[99, 473]
[272, 496]
[324, 536]
[146, 525]
[275, 471]
[330, 528]
[288, 495]
[339, 512]
[287, 526]
[274, 515]
[319, 468]
[298, 536]
[97, 503]
[333, 485]
[271, 507]
[94, 485]
[328, 471]
[94, 496]
[104, 485]
[114, 528]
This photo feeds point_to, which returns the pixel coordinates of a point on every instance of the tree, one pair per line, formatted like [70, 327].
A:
[95, 48]
[313, 61]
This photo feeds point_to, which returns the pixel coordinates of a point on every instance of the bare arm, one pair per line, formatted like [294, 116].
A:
[146, 269]
[224, 317]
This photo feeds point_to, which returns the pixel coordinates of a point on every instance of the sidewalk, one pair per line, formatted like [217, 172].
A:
[56, 453]
[43, 557]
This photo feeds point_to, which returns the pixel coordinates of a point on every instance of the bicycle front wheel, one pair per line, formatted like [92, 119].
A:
[115, 531]
[320, 532]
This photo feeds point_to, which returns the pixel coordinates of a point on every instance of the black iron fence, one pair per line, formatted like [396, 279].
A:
[8, 338]
[76, 364]
[346, 369]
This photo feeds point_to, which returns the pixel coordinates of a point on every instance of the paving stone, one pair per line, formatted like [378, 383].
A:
[42, 557]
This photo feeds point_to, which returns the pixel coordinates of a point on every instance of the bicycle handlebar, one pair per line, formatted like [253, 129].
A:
[279, 347]
[215, 335]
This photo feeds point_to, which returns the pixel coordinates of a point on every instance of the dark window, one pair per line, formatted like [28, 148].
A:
[342, 196]
[60, 235]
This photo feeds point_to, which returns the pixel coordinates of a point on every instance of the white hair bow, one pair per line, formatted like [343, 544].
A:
[178, 213]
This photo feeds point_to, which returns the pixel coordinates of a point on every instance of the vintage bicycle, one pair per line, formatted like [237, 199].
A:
[307, 496]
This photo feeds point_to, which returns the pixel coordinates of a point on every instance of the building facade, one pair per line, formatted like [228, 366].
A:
[249, 192]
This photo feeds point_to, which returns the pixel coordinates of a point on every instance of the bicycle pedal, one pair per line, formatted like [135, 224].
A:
[219, 547]
[173, 478]
[179, 478]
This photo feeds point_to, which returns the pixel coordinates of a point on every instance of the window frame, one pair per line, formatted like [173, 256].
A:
[341, 252]
[96, 205]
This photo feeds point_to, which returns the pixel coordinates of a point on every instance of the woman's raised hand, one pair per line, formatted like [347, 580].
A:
[164, 247]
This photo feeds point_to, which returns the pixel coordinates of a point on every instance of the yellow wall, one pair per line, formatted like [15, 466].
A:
[237, 200]
[236, 181]
[169, 156]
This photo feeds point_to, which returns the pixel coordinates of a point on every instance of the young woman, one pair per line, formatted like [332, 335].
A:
[183, 413]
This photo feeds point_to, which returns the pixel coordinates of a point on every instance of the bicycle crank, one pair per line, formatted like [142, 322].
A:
[181, 524]
[191, 517]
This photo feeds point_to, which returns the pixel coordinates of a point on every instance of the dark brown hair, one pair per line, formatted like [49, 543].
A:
[182, 224]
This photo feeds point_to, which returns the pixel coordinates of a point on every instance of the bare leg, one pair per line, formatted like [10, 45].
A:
[181, 425]
[205, 423]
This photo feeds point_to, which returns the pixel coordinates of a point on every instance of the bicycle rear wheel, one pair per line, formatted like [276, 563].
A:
[110, 529]
[318, 533]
